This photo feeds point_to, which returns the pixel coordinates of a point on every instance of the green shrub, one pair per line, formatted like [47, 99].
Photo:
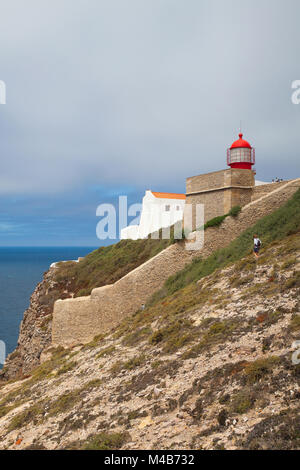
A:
[32, 414]
[238, 281]
[295, 323]
[293, 281]
[289, 262]
[106, 352]
[57, 361]
[67, 367]
[242, 402]
[234, 211]
[95, 342]
[217, 333]
[140, 334]
[215, 222]
[135, 362]
[134, 414]
[5, 409]
[246, 264]
[68, 400]
[117, 367]
[258, 369]
[105, 441]
[156, 364]
[173, 336]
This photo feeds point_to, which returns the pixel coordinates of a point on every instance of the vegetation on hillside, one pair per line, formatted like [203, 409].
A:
[107, 264]
[199, 353]
[202, 355]
[217, 221]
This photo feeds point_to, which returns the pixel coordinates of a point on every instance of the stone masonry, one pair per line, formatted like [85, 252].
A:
[264, 189]
[219, 191]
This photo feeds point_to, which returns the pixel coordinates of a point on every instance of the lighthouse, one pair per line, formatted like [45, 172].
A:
[241, 155]
[222, 190]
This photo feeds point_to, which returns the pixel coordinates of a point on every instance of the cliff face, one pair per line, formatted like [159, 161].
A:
[207, 367]
[35, 328]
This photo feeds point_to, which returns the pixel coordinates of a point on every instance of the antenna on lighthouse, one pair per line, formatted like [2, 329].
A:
[240, 127]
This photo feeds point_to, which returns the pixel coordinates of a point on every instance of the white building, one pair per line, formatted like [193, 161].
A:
[159, 210]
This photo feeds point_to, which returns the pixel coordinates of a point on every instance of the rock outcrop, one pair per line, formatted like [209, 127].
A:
[35, 328]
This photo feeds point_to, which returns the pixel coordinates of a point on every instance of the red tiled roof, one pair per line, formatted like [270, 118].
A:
[169, 195]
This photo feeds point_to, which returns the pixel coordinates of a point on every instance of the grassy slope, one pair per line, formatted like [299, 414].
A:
[108, 264]
[97, 389]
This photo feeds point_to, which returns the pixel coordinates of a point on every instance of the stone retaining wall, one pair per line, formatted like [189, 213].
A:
[264, 189]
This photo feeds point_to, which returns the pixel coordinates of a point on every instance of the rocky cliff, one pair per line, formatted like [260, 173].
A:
[210, 366]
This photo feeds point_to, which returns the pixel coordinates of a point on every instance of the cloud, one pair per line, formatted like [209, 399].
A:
[143, 93]
[6, 227]
[11, 227]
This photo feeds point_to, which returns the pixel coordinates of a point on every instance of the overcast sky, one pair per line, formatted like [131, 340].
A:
[109, 97]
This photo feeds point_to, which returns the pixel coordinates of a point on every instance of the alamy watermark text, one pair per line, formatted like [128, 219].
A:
[296, 93]
[2, 92]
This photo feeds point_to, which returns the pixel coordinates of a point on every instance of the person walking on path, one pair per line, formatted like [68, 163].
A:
[257, 245]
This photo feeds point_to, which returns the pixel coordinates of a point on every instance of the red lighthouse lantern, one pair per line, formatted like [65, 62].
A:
[241, 154]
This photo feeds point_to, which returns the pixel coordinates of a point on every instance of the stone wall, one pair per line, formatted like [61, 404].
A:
[264, 189]
[79, 320]
[218, 191]
[219, 180]
[215, 203]
[213, 180]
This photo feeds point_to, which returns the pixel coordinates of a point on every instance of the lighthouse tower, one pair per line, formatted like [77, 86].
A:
[221, 190]
[241, 154]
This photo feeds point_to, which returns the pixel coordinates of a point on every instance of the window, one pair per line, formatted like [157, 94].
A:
[240, 155]
[178, 208]
[168, 208]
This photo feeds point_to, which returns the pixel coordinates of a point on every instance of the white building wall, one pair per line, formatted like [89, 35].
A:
[156, 213]
[131, 232]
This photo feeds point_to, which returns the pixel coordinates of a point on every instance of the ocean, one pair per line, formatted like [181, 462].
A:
[20, 271]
